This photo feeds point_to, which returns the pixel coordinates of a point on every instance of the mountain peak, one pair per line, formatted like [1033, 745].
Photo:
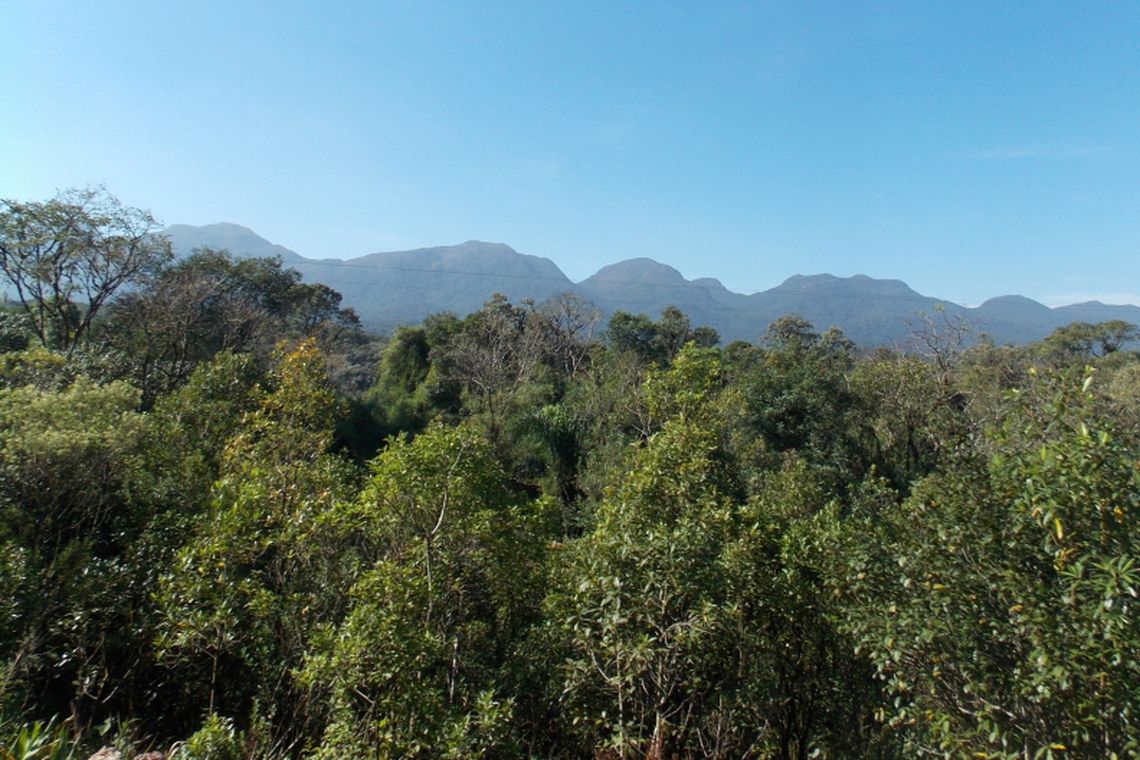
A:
[482, 245]
[227, 230]
[467, 248]
[1013, 302]
[637, 271]
[473, 256]
[238, 240]
[822, 284]
[711, 283]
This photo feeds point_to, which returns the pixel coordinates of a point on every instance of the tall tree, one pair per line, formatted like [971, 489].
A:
[211, 302]
[69, 256]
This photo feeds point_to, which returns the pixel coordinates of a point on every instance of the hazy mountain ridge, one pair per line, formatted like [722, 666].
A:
[402, 287]
[233, 237]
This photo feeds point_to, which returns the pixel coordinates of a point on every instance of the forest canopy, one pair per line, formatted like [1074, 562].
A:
[236, 525]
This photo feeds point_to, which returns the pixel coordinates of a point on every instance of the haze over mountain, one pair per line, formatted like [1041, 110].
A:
[241, 241]
[402, 287]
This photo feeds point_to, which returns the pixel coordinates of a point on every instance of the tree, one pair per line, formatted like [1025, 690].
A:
[64, 526]
[909, 418]
[69, 256]
[799, 689]
[656, 342]
[242, 596]
[490, 357]
[1082, 340]
[997, 602]
[691, 621]
[640, 609]
[794, 394]
[568, 321]
[940, 338]
[14, 330]
[212, 302]
[453, 568]
[792, 333]
[1123, 394]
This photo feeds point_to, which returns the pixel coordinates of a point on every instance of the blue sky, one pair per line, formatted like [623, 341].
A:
[969, 149]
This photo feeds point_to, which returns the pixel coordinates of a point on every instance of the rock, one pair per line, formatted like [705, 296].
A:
[107, 753]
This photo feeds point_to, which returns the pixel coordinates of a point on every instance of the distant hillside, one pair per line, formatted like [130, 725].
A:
[238, 240]
[399, 287]
[388, 289]
[646, 286]
[403, 287]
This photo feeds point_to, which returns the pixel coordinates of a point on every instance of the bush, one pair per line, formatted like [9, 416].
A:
[215, 740]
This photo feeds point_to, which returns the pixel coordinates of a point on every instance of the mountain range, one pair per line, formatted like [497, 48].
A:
[403, 287]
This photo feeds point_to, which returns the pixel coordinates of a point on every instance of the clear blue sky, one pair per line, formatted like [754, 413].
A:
[970, 149]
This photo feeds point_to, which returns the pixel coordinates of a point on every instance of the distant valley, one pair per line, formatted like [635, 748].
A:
[403, 287]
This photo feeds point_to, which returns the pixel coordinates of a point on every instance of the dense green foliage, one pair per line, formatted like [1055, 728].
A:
[232, 529]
